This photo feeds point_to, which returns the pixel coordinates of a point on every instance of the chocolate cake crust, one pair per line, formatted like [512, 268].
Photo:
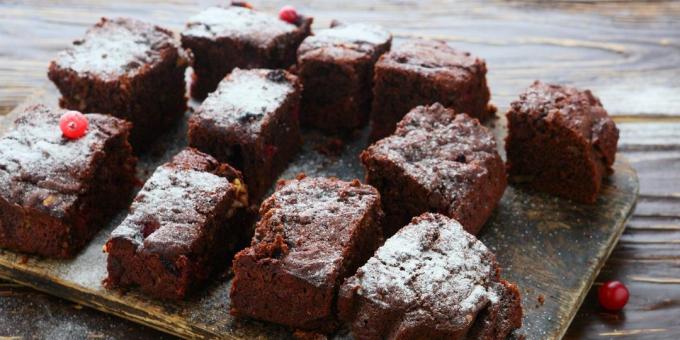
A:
[431, 280]
[59, 192]
[437, 161]
[224, 38]
[336, 69]
[561, 141]
[127, 68]
[251, 121]
[313, 233]
[424, 72]
[182, 226]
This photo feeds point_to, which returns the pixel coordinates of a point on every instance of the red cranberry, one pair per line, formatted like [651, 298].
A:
[73, 124]
[613, 295]
[288, 13]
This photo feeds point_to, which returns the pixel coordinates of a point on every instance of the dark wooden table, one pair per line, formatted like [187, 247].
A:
[628, 53]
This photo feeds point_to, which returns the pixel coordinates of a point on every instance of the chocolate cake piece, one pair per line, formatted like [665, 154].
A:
[560, 141]
[58, 192]
[127, 68]
[314, 232]
[251, 122]
[223, 38]
[182, 226]
[440, 162]
[431, 280]
[424, 72]
[336, 68]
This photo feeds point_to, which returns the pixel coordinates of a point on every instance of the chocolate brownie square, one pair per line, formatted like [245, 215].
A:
[440, 162]
[336, 68]
[127, 68]
[58, 192]
[424, 72]
[251, 122]
[431, 280]
[314, 232]
[560, 141]
[223, 38]
[182, 226]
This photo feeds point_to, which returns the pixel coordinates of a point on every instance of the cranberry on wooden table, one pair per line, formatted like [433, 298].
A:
[613, 295]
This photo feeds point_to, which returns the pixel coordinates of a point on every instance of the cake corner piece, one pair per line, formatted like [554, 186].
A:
[437, 161]
[424, 72]
[182, 226]
[314, 232]
[336, 68]
[59, 192]
[561, 141]
[252, 122]
[127, 68]
[430, 280]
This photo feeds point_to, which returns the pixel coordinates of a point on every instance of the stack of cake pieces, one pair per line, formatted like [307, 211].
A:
[394, 259]
[224, 38]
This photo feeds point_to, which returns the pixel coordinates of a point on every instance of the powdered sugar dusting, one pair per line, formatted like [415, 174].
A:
[316, 213]
[431, 266]
[432, 56]
[359, 37]
[245, 97]
[577, 110]
[37, 161]
[446, 153]
[116, 47]
[174, 203]
[235, 21]
[355, 33]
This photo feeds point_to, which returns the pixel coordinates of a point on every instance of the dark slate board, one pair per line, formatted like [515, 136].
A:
[552, 248]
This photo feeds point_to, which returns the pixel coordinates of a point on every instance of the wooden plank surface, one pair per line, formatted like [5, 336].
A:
[627, 51]
[549, 247]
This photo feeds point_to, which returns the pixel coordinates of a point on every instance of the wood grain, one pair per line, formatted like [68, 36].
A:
[626, 51]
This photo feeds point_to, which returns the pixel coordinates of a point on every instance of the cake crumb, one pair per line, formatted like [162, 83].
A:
[541, 299]
[330, 148]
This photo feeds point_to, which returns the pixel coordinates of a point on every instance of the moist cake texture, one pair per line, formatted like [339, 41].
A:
[127, 68]
[336, 69]
[181, 227]
[58, 192]
[437, 161]
[424, 72]
[251, 122]
[561, 141]
[431, 280]
[313, 233]
[224, 38]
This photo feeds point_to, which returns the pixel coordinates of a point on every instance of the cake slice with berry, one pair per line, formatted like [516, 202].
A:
[127, 68]
[437, 161]
[64, 175]
[431, 280]
[314, 232]
[336, 69]
[182, 226]
[560, 141]
[251, 122]
[424, 72]
[224, 38]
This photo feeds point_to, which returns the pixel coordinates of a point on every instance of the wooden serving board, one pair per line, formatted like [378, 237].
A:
[552, 248]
